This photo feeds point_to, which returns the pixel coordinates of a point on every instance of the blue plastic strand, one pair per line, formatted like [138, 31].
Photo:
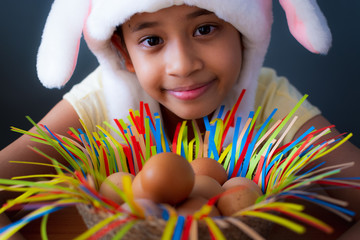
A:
[288, 148]
[179, 228]
[28, 219]
[221, 112]
[233, 149]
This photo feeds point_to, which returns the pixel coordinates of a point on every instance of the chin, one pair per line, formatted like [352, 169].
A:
[193, 114]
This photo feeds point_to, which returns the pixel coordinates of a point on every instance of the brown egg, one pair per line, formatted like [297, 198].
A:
[209, 167]
[206, 187]
[239, 181]
[193, 204]
[167, 178]
[107, 191]
[137, 187]
[236, 198]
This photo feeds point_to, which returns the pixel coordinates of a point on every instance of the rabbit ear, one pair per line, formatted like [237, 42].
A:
[58, 51]
[307, 24]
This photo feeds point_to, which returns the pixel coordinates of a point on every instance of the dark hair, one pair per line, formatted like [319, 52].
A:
[118, 31]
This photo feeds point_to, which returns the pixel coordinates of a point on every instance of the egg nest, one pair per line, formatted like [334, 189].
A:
[255, 152]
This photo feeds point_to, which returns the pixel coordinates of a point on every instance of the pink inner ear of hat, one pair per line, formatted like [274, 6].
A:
[297, 26]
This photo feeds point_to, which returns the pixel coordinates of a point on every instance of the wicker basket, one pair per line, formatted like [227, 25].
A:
[152, 228]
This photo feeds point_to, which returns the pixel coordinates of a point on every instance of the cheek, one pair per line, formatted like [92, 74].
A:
[146, 72]
[226, 57]
[232, 58]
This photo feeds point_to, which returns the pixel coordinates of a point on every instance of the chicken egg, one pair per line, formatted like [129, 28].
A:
[209, 167]
[107, 191]
[238, 196]
[137, 187]
[167, 178]
[238, 181]
[206, 187]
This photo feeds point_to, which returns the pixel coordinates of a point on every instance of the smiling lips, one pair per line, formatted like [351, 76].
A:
[192, 92]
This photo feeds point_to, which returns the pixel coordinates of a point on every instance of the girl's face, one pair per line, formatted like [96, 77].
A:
[185, 57]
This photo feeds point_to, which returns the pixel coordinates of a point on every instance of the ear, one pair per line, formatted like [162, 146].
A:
[58, 51]
[308, 24]
[118, 43]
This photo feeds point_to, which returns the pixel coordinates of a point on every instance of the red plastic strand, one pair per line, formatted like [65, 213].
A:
[187, 226]
[243, 153]
[231, 116]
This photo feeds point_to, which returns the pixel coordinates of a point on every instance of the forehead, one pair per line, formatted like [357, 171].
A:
[181, 12]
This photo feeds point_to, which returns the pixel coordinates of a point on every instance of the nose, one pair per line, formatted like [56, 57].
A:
[182, 59]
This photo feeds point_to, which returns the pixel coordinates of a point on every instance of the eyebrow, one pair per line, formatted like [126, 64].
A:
[143, 25]
[190, 16]
[198, 13]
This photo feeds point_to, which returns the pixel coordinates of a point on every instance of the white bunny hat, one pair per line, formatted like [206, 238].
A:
[98, 19]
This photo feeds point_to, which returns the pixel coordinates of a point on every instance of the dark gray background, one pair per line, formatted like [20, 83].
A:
[332, 81]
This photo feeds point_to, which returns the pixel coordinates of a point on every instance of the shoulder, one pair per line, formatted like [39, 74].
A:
[92, 83]
[87, 98]
[276, 92]
[270, 83]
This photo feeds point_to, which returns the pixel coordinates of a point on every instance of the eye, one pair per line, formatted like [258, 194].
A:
[204, 30]
[151, 41]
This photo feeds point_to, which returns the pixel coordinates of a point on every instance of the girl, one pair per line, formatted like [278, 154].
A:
[184, 58]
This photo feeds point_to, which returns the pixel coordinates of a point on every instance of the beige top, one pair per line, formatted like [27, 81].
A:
[88, 100]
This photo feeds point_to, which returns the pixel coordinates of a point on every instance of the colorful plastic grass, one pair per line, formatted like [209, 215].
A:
[256, 152]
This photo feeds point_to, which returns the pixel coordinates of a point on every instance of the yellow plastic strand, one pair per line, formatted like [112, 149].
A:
[214, 229]
[130, 197]
[147, 139]
[190, 156]
[276, 219]
[170, 225]
[43, 231]
[335, 146]
[311, 219]
[124, 229]
[294, 206]
[90, 232]
[203, 211]
[218, 134]
[39, 163]
[11, 231]
[225, 153]
[181, 138]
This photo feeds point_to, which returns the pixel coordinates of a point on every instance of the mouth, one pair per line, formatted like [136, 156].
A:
[190, 92]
